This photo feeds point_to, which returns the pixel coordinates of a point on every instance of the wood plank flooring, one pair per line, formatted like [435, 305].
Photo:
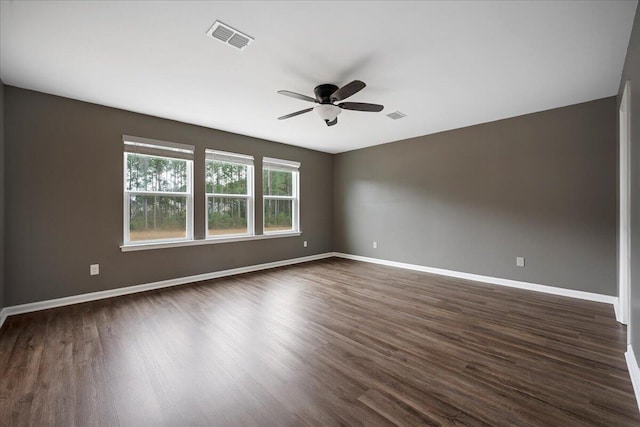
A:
[332, 342]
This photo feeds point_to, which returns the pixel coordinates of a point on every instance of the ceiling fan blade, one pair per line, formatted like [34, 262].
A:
[332, 122]
[297, 113]
[347, 90]
[297, 95]
[361, 106]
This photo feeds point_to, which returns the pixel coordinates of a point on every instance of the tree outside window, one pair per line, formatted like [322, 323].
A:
[157, 192]
[229, 188]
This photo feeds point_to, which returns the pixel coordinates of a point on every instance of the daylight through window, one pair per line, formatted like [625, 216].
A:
[229, 188]
[158, 203]
[281, 189]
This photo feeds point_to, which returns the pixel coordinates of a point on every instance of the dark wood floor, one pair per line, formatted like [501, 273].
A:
[324, 343]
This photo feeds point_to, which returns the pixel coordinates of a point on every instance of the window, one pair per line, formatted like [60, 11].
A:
[281, 189]
[229, 188]
[158, 203]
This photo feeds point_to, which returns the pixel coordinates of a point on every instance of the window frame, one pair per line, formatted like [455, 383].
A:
[159, 149]
[238, 159]
[269, 163]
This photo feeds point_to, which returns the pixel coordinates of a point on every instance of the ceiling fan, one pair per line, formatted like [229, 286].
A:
[326, 96]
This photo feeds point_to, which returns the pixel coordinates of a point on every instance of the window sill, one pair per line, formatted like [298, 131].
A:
[208, 241]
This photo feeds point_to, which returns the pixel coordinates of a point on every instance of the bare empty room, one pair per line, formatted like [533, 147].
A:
[287, 213]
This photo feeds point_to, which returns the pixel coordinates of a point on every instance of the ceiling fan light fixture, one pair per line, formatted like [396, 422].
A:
[325, 96]
[327, 112]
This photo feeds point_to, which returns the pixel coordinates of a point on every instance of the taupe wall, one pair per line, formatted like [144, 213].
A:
[631, 72]
[1, 195]
[542, 186]
[64, 199]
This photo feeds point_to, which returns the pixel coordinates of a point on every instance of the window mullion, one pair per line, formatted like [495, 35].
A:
[280, 197]
[238, 196]
[159, 193]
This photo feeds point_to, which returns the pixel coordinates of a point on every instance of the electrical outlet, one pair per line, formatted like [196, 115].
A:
[519, 261]
[304, 243]
[375, 245]
[94, 269]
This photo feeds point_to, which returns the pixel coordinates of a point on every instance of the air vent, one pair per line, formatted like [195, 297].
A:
[222, 33]
[229, 35]
[396, 115]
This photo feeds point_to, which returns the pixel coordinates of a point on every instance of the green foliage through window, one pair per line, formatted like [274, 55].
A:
[278, 215]
[278, 189]
[277, 183]
[226, 178]
[150, 173]
[228, 195]
[157, 216]
[227, 214]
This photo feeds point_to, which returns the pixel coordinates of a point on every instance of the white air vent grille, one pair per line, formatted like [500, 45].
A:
[239, 41]
[229, 35]
[396, 115]
[222, 33]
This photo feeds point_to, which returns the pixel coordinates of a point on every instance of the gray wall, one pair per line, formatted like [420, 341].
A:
[64, 199]
[631, 72]
[1, 195]
[542, 186]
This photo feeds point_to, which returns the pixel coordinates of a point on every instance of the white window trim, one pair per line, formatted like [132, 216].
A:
[142, 143]
[279, 163]
[176, 151]
[270, 163]
[150, 148]
[242, 159]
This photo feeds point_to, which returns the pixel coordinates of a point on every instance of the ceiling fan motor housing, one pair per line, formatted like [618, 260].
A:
[324, 92]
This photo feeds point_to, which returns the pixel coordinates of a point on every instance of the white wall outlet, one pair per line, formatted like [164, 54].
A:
[375, 245]
[519, 261]
[304, 243]
[94, 269]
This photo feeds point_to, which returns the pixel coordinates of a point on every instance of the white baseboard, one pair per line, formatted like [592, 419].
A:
[488, 279]
[616, 308]
[76, 299]
[93, 296]
[634, 372]
[632, 364]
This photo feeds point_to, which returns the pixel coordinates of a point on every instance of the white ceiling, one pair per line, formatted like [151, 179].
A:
[445, 65]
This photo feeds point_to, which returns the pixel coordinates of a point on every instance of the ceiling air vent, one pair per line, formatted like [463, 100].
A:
[396, 115]
[229, 35]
